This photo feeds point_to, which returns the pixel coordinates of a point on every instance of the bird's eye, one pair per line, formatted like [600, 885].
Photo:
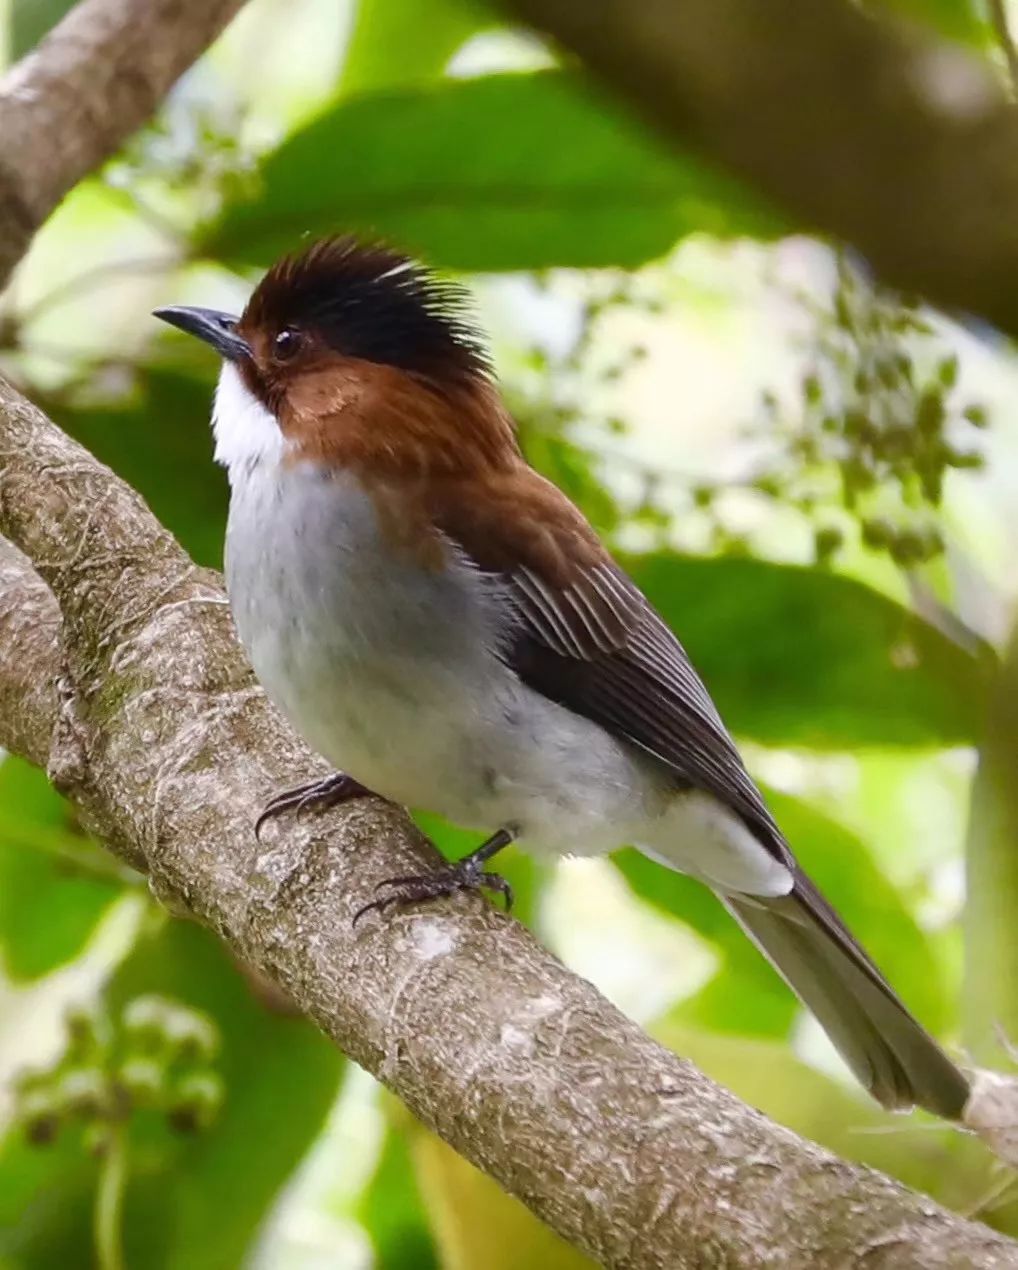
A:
[286, 343]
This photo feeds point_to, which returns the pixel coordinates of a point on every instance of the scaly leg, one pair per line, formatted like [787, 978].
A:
[468, 874]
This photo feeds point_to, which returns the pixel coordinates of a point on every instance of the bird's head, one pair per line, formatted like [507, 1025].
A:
[349, 353]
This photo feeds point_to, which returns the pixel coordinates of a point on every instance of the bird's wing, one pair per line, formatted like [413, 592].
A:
[584, 636]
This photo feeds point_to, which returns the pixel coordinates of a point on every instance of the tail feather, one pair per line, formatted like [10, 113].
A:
[887, 1049]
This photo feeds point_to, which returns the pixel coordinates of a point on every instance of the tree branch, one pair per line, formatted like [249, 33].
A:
[30, 653]
[871, 131]
[169, 747]
[94, 79]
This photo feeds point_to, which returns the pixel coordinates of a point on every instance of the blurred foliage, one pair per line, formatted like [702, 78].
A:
[185, 1166]
[217, 1100]
[392, 1207]
[390, 46]
[30, 20]
[55, 885]
[484, 174]
[879, 425]
[961, 20]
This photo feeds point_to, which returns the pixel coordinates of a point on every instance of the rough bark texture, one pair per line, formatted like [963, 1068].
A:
[878, 134]
[169, 747]
[97, 76]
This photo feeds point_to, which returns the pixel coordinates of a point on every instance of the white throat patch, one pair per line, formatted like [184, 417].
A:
[246, 433]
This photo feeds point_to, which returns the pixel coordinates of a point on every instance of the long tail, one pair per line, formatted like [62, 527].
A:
[889, 1052]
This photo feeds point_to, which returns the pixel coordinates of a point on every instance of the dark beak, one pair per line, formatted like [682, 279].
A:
[217, 329]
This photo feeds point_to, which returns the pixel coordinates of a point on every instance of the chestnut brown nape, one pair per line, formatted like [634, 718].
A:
[367, 301]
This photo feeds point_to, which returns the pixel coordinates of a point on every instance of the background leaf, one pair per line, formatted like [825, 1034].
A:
[961, 20]
[796, 656]
[55, 885]
[392, 1207]
[29, 20]
[158, 438]
[193, 1202]
[281, 1076]
[515, 171]
[390, 45]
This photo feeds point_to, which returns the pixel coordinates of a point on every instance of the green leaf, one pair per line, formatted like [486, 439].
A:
[281, 1076]
[960, 20]
[391, 47]
[392, 1209]
[747, 995]
[807, 657]
[193, 1201]
[30, 20]
[515, 171]
[54, 885]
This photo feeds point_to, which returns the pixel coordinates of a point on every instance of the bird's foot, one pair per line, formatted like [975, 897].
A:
[468, 874]
[314, 795]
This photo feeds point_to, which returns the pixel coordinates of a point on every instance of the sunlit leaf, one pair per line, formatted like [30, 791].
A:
[390, 46]
[961, 20]
[515, 171]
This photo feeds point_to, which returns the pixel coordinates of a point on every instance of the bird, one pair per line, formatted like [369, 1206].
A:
[443, 626]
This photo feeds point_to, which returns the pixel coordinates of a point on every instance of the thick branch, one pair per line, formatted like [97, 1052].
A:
[169, 747]
[29, 655]
[876, 133]
[93, 80]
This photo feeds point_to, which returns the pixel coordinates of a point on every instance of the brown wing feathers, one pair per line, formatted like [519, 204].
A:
[587, 638]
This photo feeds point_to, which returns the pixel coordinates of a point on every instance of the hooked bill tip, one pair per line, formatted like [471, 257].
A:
[209, 325]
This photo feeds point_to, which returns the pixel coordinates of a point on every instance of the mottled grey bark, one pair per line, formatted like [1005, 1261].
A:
[169, 747]
[94, 79]
[877, 133]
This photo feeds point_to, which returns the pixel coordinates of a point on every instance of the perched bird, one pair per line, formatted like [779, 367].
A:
[441, 623]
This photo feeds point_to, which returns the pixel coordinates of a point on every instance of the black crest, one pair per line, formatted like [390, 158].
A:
[371, 302]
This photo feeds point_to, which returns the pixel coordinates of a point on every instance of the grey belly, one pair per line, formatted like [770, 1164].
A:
[391, 672]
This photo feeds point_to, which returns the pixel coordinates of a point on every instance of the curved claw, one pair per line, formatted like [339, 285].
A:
[380, 905]
[496, 882]
[422, 887]
[328, 792]
[410, 879]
